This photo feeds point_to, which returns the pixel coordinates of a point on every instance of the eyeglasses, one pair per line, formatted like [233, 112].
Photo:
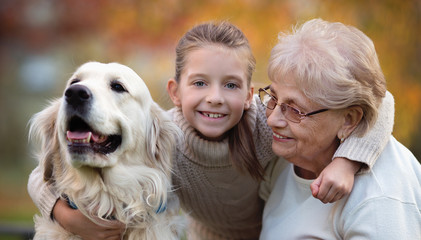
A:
[290, 113]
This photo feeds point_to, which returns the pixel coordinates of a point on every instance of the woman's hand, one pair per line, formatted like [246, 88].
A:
[75, 222]
[335, 181]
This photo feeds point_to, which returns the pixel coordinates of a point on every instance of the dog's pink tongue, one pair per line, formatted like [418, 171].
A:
[79, 135]
[85, 137]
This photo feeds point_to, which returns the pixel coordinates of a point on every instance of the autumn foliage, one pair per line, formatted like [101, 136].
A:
[143, 34]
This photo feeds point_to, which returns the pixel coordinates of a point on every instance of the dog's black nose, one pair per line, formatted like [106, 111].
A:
[78, 95]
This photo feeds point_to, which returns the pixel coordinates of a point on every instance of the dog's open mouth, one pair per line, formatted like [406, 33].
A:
[82, 139]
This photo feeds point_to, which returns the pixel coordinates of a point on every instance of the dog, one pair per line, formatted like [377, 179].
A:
[107, 148]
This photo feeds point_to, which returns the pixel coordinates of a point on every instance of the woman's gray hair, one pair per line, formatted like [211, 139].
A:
[334, 64]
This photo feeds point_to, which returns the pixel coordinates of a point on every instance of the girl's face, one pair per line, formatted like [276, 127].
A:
[212, 91]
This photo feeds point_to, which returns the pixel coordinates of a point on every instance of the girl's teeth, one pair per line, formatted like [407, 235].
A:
[213, 115]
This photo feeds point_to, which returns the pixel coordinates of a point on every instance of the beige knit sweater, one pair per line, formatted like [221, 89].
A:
[221, 202]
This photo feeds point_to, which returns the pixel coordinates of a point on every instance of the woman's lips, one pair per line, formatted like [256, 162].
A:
[281, 137]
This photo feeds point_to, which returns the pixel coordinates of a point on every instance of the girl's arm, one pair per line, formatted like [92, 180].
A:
[368, 148]
[51, 206]
[43, 195]
[355, 155]
[75, 222]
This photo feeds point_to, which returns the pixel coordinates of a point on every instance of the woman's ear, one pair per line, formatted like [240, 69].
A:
[172, 89]
[352, 117]
[249, 97]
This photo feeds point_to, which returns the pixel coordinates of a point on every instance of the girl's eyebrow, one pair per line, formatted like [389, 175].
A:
[196, 75]
[227, 77]
[234, 77]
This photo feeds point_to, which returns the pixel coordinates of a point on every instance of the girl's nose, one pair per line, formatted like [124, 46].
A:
[215, 96]
[276, 118]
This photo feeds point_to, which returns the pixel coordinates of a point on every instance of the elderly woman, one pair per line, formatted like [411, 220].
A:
[326, 84]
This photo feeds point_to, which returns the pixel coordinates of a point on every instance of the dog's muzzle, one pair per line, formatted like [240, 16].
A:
[81, 137]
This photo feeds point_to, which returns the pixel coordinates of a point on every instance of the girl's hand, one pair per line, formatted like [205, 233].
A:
[335, 181]
[75, 222]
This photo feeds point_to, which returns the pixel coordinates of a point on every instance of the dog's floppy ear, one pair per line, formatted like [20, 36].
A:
[161, 138]
[43, 129]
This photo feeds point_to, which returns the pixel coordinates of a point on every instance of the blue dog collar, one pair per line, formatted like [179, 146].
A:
[70, 203]
[161, 208]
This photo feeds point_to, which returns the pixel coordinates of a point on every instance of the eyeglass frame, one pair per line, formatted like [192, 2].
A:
[286, 109]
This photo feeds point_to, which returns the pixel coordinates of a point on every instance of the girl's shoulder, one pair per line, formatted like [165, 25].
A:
[257, 114]
[261, 109]
[171, 111]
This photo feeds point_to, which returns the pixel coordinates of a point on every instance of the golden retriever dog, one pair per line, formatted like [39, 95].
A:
[107, 147]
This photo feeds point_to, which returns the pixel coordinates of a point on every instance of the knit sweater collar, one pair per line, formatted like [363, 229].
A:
[204, 152]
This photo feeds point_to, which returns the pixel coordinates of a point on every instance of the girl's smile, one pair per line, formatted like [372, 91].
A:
[212, 115]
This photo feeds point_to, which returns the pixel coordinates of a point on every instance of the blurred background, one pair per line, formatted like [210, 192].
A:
[43, 41]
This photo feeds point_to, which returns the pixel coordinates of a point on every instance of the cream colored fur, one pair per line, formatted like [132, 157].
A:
[128, 184]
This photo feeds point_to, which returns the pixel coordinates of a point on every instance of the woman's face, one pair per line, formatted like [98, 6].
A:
[311, 143]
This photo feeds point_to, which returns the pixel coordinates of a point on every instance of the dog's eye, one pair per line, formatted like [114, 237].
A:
[118, 87]
[74, 81]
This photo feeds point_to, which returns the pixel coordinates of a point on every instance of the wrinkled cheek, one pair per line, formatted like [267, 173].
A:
[304, 148]
[283, 149]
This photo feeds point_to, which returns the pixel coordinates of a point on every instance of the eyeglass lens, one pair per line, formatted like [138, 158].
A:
[270, 102]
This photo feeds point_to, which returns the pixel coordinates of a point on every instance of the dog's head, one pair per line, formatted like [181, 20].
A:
[104, 107]
[106, 115]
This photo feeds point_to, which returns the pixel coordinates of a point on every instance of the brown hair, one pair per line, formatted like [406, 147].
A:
[224, 34]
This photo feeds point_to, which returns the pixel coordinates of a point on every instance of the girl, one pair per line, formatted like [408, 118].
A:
[226, 147]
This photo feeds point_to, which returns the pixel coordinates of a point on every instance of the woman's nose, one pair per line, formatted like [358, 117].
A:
[276, 118]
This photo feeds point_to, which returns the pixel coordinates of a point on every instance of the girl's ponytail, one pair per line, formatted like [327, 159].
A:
[243, 151]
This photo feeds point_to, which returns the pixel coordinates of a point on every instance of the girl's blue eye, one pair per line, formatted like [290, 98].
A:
[199, 84]
[231, 85]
